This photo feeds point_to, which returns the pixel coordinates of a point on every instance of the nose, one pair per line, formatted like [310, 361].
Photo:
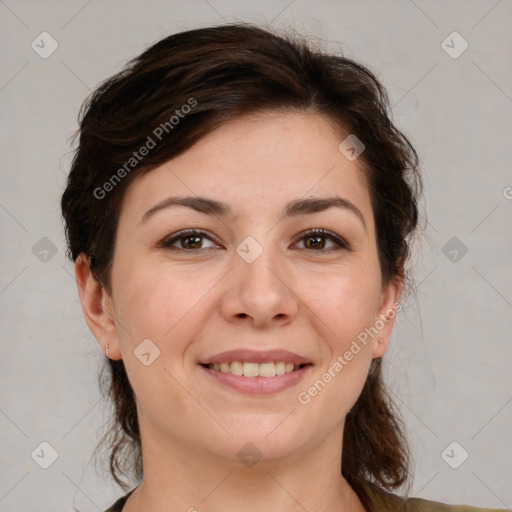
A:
[259, 293]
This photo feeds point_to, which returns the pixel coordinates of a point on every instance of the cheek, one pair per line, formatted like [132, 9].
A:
[346, 303]
[346, 307]
[161, 304]
[163, 307]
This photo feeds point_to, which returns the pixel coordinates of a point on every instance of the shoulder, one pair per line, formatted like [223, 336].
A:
[376, 499]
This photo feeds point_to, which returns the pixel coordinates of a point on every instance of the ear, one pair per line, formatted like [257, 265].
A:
[97, 307]
[385, 317]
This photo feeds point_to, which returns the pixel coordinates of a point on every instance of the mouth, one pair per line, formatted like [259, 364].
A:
[251, 369]
[254, 372]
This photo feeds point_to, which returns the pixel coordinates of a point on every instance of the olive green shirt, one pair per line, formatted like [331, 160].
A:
[375, 499]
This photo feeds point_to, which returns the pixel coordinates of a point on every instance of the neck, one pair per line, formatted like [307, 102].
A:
[179, 477]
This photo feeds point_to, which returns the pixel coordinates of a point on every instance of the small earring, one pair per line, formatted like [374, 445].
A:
[106, 350]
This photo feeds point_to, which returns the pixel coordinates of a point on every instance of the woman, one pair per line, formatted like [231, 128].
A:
[239, 210]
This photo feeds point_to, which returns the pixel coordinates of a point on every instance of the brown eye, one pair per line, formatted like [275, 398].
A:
[315, 240]
[191, 242]
[188, 240]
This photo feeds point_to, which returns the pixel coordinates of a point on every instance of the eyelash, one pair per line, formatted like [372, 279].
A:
[310, 233]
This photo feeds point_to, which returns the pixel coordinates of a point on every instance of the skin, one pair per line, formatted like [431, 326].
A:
[295, 296]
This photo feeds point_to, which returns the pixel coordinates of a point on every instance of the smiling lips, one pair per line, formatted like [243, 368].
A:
[248, 369]
[252, 371]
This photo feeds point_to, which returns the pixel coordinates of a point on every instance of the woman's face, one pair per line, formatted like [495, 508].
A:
[251, 282]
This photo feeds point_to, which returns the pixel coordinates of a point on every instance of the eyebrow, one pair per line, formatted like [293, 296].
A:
[293, 208]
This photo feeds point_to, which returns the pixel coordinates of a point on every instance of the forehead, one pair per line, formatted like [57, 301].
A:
[258, 161]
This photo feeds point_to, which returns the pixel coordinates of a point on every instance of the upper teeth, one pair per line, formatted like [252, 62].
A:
[255, 369]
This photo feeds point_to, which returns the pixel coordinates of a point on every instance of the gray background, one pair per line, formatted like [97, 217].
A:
[449, 363]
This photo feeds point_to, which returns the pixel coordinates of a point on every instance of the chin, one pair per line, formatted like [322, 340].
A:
[266, 439]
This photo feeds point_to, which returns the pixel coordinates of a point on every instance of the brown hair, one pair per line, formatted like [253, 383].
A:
[181, 89]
